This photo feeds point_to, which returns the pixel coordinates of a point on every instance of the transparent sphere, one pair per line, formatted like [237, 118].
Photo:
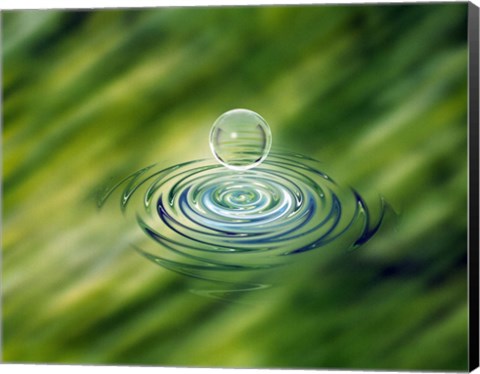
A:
[240, 139]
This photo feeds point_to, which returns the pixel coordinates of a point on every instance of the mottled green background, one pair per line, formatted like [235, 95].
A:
[377, 93]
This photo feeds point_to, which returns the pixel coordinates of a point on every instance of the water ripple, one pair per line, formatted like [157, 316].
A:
[206, 221]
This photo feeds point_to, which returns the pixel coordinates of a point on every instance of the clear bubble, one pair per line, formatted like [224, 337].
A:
[240, 139]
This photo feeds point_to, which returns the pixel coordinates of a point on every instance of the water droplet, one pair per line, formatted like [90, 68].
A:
[240, 139]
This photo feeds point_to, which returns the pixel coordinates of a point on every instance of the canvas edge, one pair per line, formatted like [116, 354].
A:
[473, 253]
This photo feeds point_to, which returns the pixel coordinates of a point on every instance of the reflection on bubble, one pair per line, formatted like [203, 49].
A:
[209, 222]
[240, 139]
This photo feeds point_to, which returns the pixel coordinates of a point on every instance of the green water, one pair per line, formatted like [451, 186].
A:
[377, 93]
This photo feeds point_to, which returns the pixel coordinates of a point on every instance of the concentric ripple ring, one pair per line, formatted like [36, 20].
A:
[201, 217]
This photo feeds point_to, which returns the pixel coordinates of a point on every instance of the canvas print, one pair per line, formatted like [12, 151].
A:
[237, 187]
